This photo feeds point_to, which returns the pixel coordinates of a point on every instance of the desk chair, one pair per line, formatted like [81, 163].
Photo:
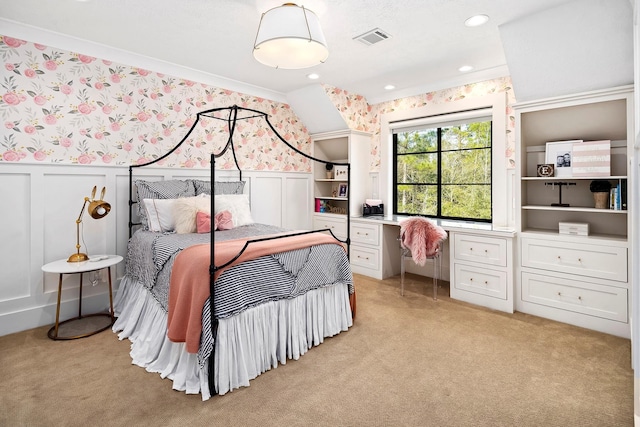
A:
[421, 240]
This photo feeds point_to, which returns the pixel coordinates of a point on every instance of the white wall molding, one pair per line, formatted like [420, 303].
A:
[42, 202]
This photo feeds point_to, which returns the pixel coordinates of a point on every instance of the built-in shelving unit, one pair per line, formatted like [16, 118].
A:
[351, 147]
[578, 279]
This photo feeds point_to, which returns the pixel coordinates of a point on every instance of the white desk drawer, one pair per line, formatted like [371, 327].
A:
[607, 302]
[364, 257]
[486, 250]
[368, 234]
[605, 262]
[482, 281]
[337, 225]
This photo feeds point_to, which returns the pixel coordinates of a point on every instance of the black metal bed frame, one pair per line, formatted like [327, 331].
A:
[231, 115]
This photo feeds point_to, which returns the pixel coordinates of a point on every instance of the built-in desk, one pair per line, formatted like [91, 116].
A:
[479, 257]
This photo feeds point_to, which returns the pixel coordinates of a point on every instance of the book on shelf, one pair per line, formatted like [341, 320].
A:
[615, 198]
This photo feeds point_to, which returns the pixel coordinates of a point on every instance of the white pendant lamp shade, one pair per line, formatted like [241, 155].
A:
[290, 37]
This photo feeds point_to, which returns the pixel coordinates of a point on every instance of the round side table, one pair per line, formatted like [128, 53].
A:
[62, 267]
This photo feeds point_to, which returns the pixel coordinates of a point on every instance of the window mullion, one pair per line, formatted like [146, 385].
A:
[439, 175]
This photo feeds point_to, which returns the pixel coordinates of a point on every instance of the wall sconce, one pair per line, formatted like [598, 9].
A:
[97, 209]
[290, 37]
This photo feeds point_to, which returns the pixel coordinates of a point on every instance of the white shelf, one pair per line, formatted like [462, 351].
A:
[331, 198]
[573, 209]
[573, 178]
[330, 180]
[538, 232]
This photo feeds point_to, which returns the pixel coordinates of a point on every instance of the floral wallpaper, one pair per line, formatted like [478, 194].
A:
[68, 108]
[361, 116]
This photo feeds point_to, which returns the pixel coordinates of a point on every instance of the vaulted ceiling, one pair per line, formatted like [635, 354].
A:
[547, 46]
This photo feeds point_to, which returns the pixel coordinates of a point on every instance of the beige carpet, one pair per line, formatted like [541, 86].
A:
[407, 361]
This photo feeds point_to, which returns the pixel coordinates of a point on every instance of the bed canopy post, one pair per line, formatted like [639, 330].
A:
[231, 116]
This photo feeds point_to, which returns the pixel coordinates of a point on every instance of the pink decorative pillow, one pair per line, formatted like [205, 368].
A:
[203, 222]
[223, 221]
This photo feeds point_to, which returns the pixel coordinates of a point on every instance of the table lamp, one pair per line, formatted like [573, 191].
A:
[97, 209]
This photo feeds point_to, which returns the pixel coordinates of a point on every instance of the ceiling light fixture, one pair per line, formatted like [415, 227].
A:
[290, 37]
[465, 68]
[313, 76]
[476, 20]
[389, 87]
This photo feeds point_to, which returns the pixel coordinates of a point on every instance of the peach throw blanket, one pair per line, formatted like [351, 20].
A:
[189, 285]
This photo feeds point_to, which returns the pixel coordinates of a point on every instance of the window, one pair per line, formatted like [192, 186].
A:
[442, 167]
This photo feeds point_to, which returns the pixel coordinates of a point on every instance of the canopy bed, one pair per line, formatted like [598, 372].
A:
[211, 317]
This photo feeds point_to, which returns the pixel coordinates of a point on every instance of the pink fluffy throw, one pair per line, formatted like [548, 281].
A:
[422, 237]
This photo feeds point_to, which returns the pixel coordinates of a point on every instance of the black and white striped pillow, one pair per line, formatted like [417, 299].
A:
[169, 189]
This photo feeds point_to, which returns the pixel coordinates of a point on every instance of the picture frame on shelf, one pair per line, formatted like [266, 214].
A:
[592, 158]
[545, 170]
[340, 172]
[342, 190]
[559, 154]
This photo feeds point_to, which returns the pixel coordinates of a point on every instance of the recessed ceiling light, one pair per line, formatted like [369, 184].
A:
[313, 76]
[476, 20]
[465, 68]
[389, 87]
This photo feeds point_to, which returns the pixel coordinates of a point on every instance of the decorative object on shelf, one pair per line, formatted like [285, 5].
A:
[329, 168]
[545, 170]
[342, 190]
[290, 37]
[574, 228]
[97, 209]
[338, 210]
[340, 172]
[372, 207]
[600, 189]
[591, 158]
[559, 154]
[560, 185]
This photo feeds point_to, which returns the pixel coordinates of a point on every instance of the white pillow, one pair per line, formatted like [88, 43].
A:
[159, 214]
[185, 210]
[238, 205]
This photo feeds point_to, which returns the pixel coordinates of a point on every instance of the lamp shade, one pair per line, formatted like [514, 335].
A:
[290, 37]
[98, 208]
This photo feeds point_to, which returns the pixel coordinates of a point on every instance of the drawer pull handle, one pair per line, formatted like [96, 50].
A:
[580, 260]
[579, 298]
[486, 283]
[367, 258]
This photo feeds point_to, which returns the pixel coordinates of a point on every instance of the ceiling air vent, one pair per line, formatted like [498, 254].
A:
[372, 37]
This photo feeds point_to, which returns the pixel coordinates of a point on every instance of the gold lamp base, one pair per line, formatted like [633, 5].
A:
[79, 257]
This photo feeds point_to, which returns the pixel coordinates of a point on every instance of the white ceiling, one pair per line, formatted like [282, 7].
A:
[428, 43]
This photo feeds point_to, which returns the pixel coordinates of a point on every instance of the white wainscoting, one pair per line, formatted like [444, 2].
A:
[40, 204]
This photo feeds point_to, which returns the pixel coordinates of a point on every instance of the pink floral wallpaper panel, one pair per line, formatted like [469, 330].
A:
[361, 116]
[68, 108]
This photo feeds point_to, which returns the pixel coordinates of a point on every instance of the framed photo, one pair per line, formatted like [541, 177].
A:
[559, 154]
[342, 190]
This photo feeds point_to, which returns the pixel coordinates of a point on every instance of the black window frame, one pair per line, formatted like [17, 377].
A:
[439, 185]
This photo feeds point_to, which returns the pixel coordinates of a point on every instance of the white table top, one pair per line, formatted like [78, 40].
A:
[63, 267]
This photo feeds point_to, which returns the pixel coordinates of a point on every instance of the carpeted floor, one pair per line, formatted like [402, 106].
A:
[407, 361]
